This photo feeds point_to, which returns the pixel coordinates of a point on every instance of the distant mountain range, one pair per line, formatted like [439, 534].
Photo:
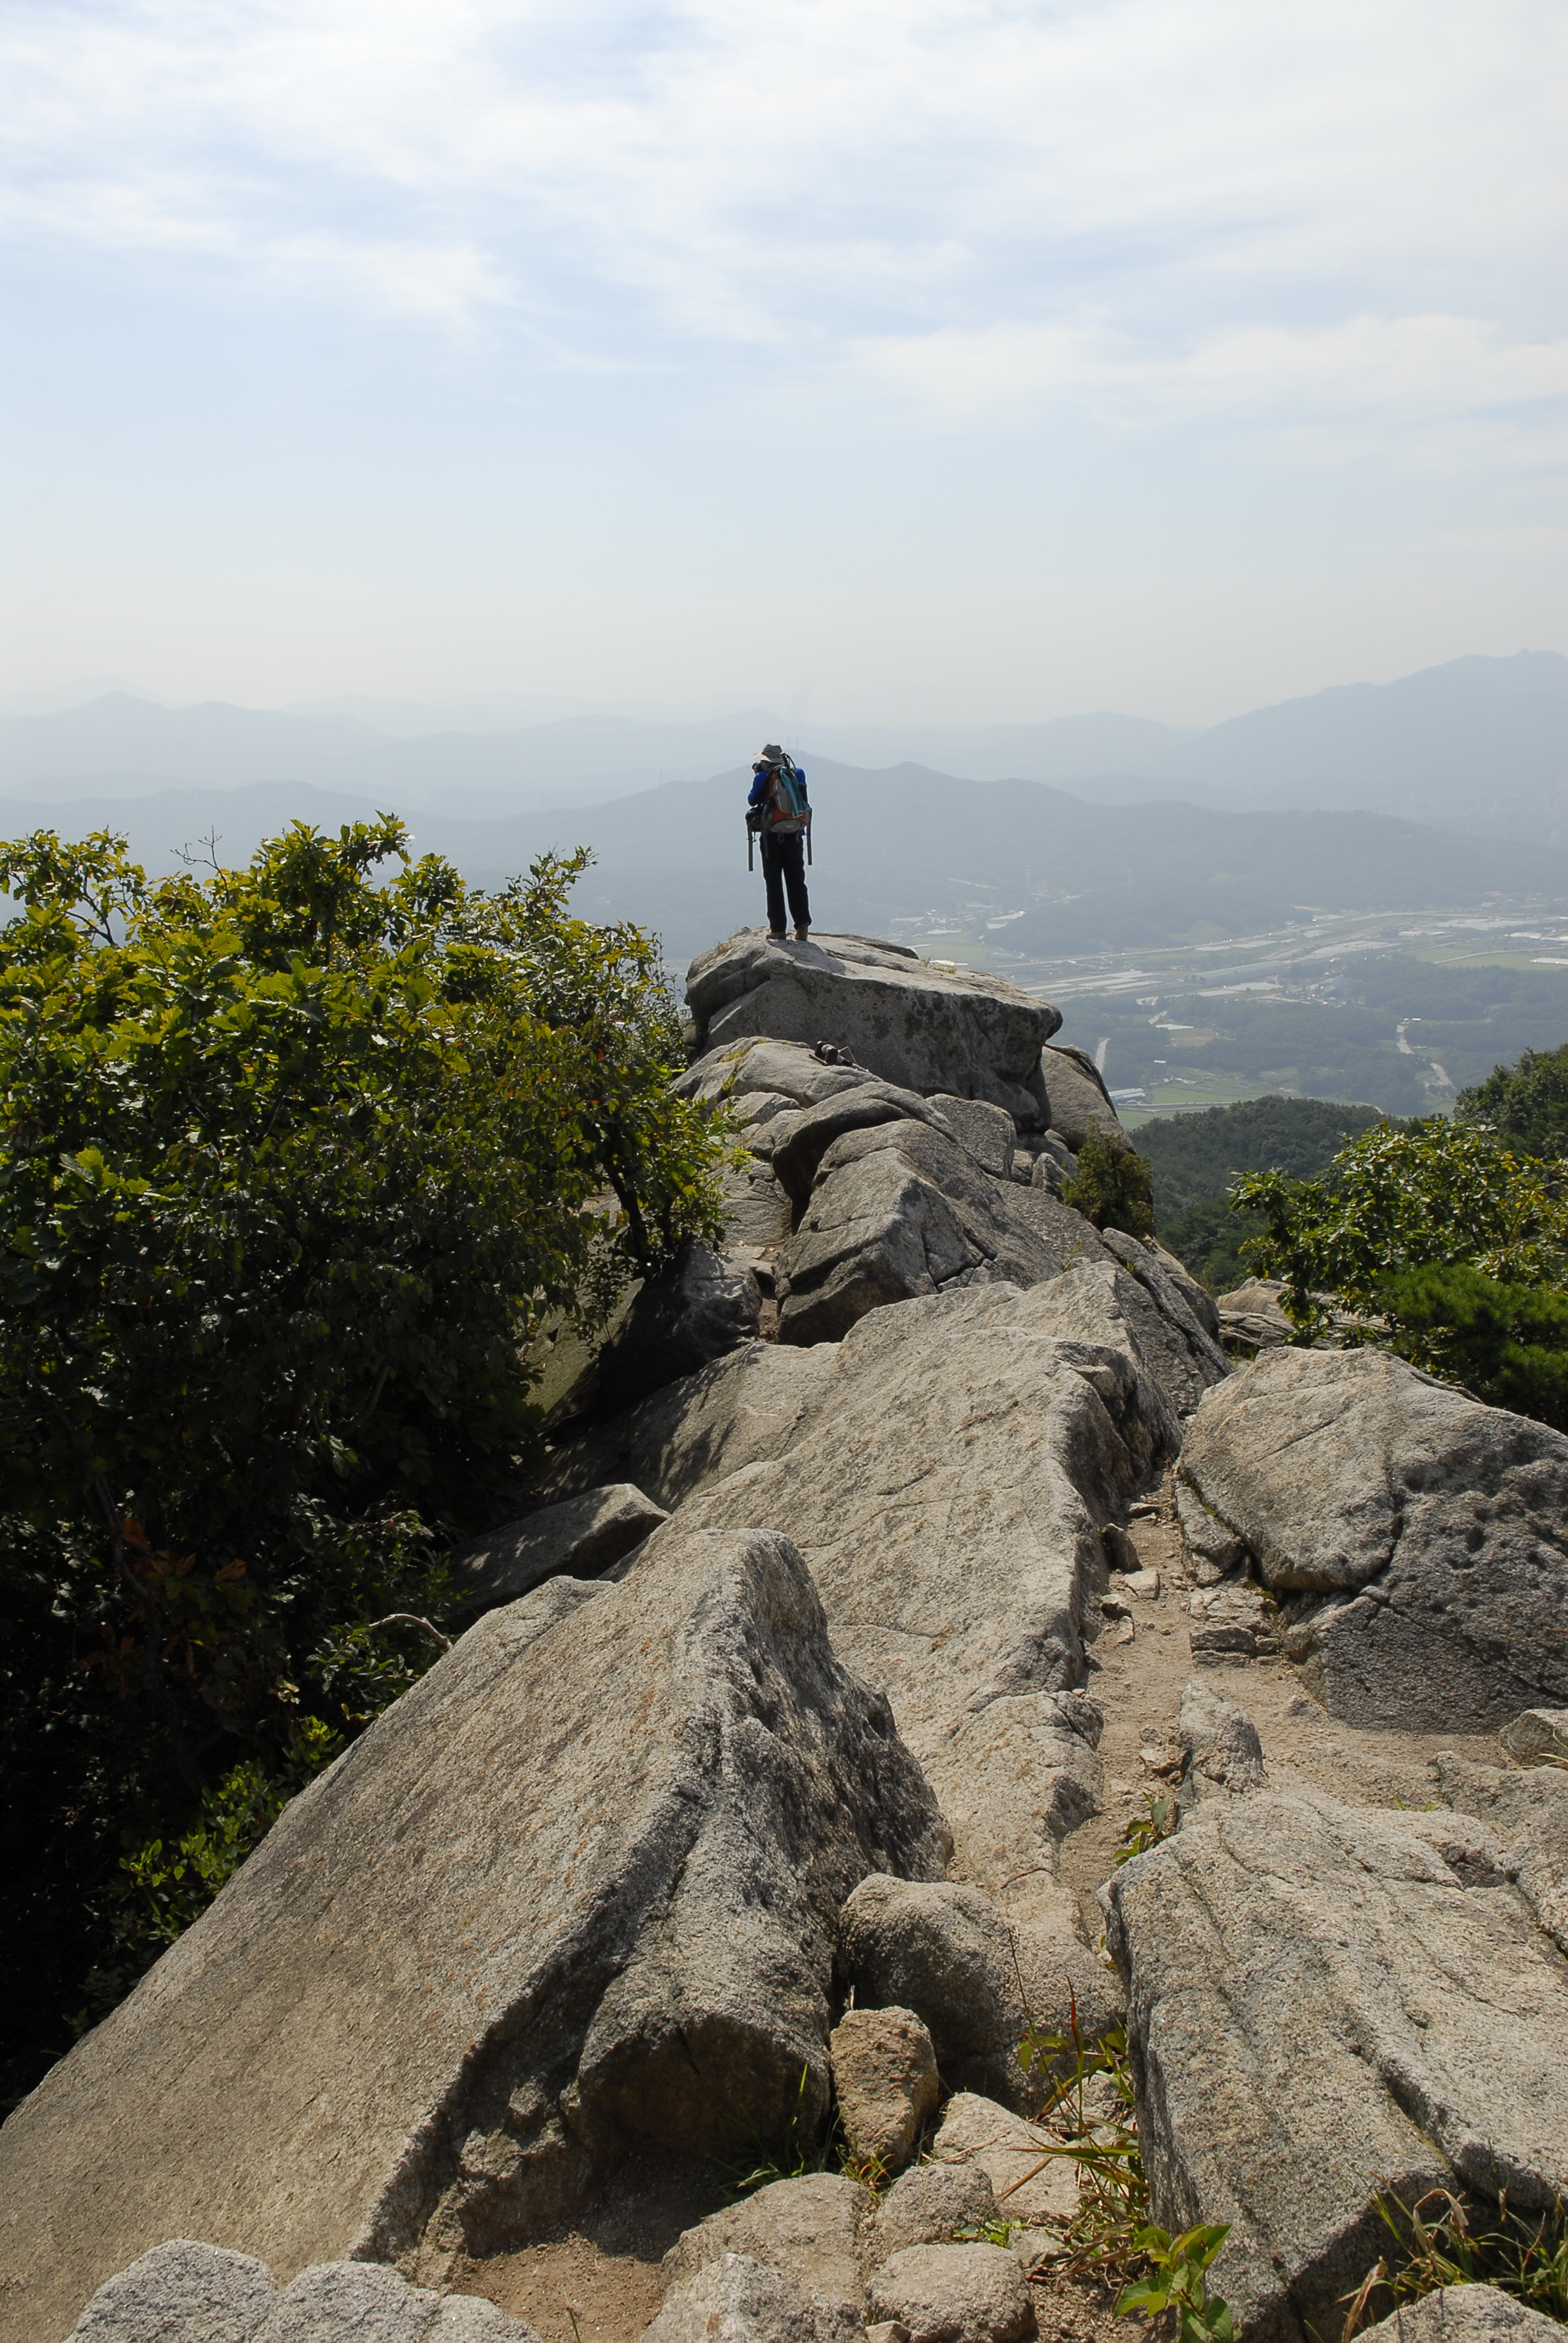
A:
[1479, 745]
[1053, 872]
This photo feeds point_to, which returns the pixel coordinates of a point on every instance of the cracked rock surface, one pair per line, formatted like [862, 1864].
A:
[905, 1020]
[1324, 2001]
[578, 1887]
[1418, 1541]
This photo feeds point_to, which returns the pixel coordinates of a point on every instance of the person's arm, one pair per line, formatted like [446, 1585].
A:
[759, 789]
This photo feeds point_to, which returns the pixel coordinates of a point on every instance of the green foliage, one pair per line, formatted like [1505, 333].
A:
[1431, 1193]
[166, 1888]
[1437, 2243]
[1177, 2283]
[292, 1165]
[796, 2152]
[998, 2231]
[1091, 2120]
[1111, 1187]
[1194, 1157]
[1508, 1343]
[1527, 1103]
[1159, 1819]
[1091, 2110]
[1208, 1240]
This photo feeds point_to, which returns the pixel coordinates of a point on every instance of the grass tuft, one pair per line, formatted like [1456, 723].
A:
[1436, 2243]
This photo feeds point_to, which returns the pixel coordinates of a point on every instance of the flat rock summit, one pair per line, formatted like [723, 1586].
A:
[893, 1560]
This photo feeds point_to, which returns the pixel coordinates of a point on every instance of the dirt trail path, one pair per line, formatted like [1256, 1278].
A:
[1139, 1684]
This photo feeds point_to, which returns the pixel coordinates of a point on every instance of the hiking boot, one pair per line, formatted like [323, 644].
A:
[801, 934]
[776, 935]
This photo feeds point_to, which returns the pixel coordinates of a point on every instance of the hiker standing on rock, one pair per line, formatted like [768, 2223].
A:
[780, 815]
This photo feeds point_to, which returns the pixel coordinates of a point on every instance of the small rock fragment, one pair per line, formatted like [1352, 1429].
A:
[928, 2206]
[1145, 1584]
[989, 1132]
[180, 2292]
[1031, 2184]
[975, 1976]
[1539, 1733]
[1235, 1620]
[1120, 1551]
[1464, 2314]
[808, 2228]
[1527, 1813]
[885, 2073]
[735, 2300]
[335, 2300]
[954, 2294]
[580, 1538]
[1223, 1751]
[1213, 1547]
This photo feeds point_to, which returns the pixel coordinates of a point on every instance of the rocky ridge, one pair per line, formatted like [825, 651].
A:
[772, 1777]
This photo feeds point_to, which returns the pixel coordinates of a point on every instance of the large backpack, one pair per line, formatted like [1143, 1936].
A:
[785, 810]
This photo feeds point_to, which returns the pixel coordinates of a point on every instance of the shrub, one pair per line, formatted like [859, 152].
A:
[1508, 1343]
[1427, 1194]
[1113, 1187]
[1527, 1103]
[292, 1165]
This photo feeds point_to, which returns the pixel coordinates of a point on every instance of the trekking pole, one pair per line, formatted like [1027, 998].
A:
[807, 833]
[750, 841]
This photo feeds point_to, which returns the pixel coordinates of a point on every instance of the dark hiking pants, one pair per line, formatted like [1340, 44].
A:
[784, 866]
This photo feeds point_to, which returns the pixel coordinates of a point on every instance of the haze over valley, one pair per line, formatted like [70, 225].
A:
[1476, 744]
[1361, 895]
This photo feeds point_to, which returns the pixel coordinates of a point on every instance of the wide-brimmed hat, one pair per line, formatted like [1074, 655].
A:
[772, 754]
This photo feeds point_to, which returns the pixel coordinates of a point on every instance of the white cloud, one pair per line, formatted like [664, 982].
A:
[1329, 235]
[796, 171]
[1451, 388]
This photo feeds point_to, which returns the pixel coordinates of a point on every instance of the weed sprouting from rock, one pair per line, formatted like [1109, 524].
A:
[1437, 2242]
[1177, 2283]
[1110, 2238]
[1147, 1830]
[788, 2157]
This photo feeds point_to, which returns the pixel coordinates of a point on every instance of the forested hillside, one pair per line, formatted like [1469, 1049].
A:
[1194, 1157]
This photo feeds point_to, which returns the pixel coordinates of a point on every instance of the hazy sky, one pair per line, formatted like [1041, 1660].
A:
[867, 359]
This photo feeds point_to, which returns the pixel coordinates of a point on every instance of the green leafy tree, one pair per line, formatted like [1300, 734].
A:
[1429, 1193]
[1113, 1187]
[1526, 1103]
[1508, 1343]
[295, 1160]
